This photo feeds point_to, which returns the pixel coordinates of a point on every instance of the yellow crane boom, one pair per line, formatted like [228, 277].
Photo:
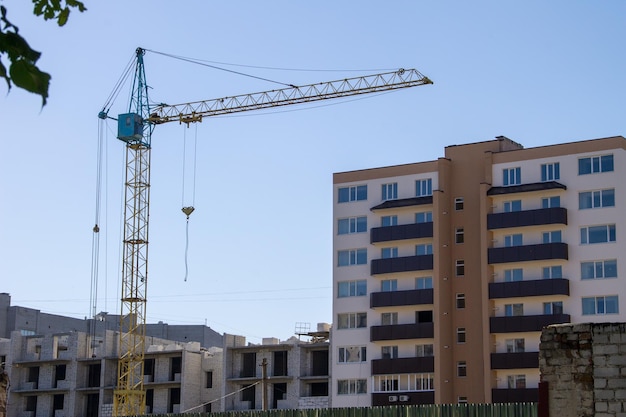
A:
[135, 129]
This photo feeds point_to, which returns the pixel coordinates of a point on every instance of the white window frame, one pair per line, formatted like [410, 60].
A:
[598, 198]
[354, 193]
[550, 172]
[599, 269]
[353, 288]
[424, 187]
[351, 354]
[611, 234]
[512, 176]
[389, 191]
[351, 320]
[352, 225]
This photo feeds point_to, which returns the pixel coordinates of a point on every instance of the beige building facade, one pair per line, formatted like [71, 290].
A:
[445, 272]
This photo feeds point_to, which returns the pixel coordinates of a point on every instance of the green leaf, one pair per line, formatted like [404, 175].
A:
[3, 74]
[63, 16]
[26, 75]
[17, 47]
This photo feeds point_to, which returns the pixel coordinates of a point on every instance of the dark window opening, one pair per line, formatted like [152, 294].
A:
[59, 374]
[148, 369]
[249, 365]
[57, 401]
[93, 405]
[149, 400]
[319, 361]
[424, 316]
[175, 367]
[280, 363]
[279, 393]
[174, 399]
[93, 379]
[319, 389]
[31, 403]
[209, 379]
[248, 394]
[33, 376]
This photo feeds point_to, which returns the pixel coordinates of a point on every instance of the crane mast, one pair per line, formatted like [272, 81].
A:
[135, 129]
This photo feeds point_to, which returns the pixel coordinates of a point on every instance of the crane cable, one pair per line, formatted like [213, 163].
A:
[187, 210]
[95, 240]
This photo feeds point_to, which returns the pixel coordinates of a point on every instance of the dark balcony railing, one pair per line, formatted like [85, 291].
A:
[542, 251]
[515, 395]
[401, 298]
[537, 287]
[402, 232]
[403, 398]
[512, 324]
[402, 264]
[403, 365]
[553, 215]
[516, 360]
[402, 331]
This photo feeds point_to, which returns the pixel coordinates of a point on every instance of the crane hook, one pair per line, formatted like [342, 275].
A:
[188, 210]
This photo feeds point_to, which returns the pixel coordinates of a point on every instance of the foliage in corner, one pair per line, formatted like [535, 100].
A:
[22, 70]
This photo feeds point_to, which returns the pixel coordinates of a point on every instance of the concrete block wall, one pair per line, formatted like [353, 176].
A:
[584, 366]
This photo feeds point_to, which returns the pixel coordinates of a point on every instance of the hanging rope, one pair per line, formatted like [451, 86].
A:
[187, 210]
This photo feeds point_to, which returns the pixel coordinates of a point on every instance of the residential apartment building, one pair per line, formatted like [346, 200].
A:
[75, 374]
[445, 271]
[296, 372]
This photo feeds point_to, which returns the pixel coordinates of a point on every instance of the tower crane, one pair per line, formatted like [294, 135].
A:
[135, 129]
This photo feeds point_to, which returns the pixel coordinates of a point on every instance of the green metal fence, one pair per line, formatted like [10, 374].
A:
[440, 410]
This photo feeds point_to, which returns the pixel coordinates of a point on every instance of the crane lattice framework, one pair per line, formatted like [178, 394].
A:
[135, 129]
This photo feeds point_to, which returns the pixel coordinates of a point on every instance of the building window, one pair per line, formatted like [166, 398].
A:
[460, 334]
[390, 191]
[608, 304]
[352, 354]
[387, 383]
[388, 319]
[459, 235]
[354, 193]
[511, 206]
[351, 386]
[209, 379]
[387, 285]
[387, 221]
[352, 225]
[597, 234]
[460, 301]
[424, 249]
[551, 237]
[512, 176]
[389, 352]
[515, 345]
[513, 240]
[596, 199]
[552, 272]
[352, 257]
[511, 275]
[460, 267]
[551, 202]
[386, 253]
[461, 369]
[598, 269]
[424, 316]
[516, 381]
[595, 164]
[423, 283]
[424, 382]
[356, 288]
[424, 187]
[550, 172]
[553, 307]
[514, 309]
[424, 217]
[461, 400]
[458, 203]
[425, 350]
[351, 320]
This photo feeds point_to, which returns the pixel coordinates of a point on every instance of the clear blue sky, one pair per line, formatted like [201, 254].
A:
[260, 245]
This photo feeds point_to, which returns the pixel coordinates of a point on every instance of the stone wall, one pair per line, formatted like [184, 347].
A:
[584, 368]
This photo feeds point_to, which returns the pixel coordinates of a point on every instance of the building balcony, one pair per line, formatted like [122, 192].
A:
[516, 360]
[401, 232]
[401, 298]
[515, 395]
[553, 215]
[402, 331]
[401, 264]
[513, 324]
[403, 365]
[403, 398]
[539, 252]
[404, 202]
[533, 288]
[526, 188]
